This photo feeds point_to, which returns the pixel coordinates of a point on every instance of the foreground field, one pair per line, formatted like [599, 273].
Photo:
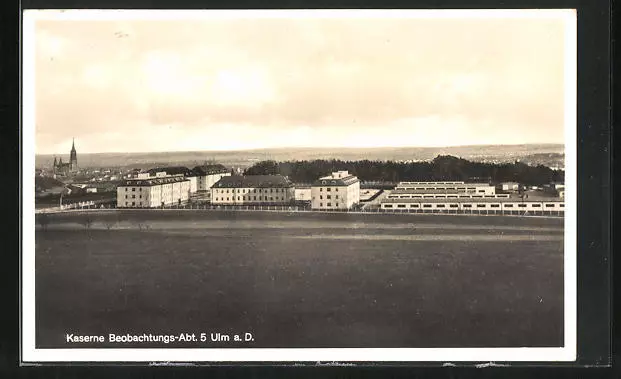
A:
[312, 280]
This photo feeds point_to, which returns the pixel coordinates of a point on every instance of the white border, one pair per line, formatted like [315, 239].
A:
[31, 355]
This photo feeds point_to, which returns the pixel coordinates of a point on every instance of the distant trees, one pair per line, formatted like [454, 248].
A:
[263, 168]
[441, 168]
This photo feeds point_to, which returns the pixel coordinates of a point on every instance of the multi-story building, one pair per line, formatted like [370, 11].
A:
[208, 175]
[340, 190]
[153, 192]
[253, 190]
[191, 175]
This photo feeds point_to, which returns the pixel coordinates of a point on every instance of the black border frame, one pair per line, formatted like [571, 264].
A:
[594, 169]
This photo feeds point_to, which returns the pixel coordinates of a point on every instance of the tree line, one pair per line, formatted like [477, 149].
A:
[442, 168]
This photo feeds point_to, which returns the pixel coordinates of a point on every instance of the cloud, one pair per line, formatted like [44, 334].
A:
[171, 85]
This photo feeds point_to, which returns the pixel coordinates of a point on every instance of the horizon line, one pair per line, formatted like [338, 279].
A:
[311, 147]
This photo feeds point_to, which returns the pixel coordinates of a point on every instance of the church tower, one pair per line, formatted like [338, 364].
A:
[73, 158]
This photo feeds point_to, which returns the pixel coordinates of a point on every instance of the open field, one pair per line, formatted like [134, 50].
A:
[302, 280]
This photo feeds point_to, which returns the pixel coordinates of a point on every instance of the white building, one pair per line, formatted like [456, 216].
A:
[153, 192]
[460, 187]
[340, 190]
[486, 205]
[208, 175]
[509, 186]
[302, 193]
[253, 190]
[177, 171]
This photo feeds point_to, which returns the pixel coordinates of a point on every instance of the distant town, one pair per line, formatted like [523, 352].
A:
[445, 184]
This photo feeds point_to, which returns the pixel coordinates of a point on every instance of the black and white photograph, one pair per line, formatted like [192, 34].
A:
[299, 185]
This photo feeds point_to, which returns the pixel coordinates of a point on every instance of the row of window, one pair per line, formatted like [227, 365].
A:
[330, 204]
[446, 196]
[261, 198]
[534, 205]
[254, 190]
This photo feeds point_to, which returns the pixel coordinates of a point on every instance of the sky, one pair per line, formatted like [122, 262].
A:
[139, 85]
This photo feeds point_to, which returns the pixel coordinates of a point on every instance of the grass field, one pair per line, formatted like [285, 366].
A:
[309, 280]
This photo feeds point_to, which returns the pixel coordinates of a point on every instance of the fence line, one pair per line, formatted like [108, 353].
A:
[298, 209]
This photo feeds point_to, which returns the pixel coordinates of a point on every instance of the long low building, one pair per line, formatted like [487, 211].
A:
[461, 187]
[152, 192]
[253, 190]
[483, 204]
[439, 194]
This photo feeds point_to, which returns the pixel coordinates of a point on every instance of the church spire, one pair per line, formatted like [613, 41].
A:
[73, 144]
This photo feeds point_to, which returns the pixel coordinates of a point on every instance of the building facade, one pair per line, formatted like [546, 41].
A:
[458, 187]
[153, 192]
[208, 175]
[253, 190]
[340, 190]
[486, 205]
[177, 171]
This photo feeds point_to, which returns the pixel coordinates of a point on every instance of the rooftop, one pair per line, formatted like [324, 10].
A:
[254, 181]
[152, 181]
[172, 170]
[436, 184]
[340, 178]
[210, 169]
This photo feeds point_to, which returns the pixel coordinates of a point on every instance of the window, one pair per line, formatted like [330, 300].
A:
[321, 204]
[426, 205]
[337, 196]
[439, 205]
[271, 198]
[521, 205]
[480, 205]
[126, 189]
[481, 191]
[453, 205]
[328, 189]
[562, 205]
[133, 189]
[126, 203]
[413, 205]
[508, 205]
[141, 196]
[321, 196]
[495, 205]
[549, 205]
[238, 198]
[133, 203]
[126, 196]
[400, 205]
[467, 205]
[255, 197]
[536, 205]
[133, 196]
[140, 189]
[328, 197]
[337, 190]
[320, 189]
[329, 204]
[388, 206]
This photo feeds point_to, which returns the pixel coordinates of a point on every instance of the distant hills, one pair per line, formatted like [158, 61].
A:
[551, 155]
